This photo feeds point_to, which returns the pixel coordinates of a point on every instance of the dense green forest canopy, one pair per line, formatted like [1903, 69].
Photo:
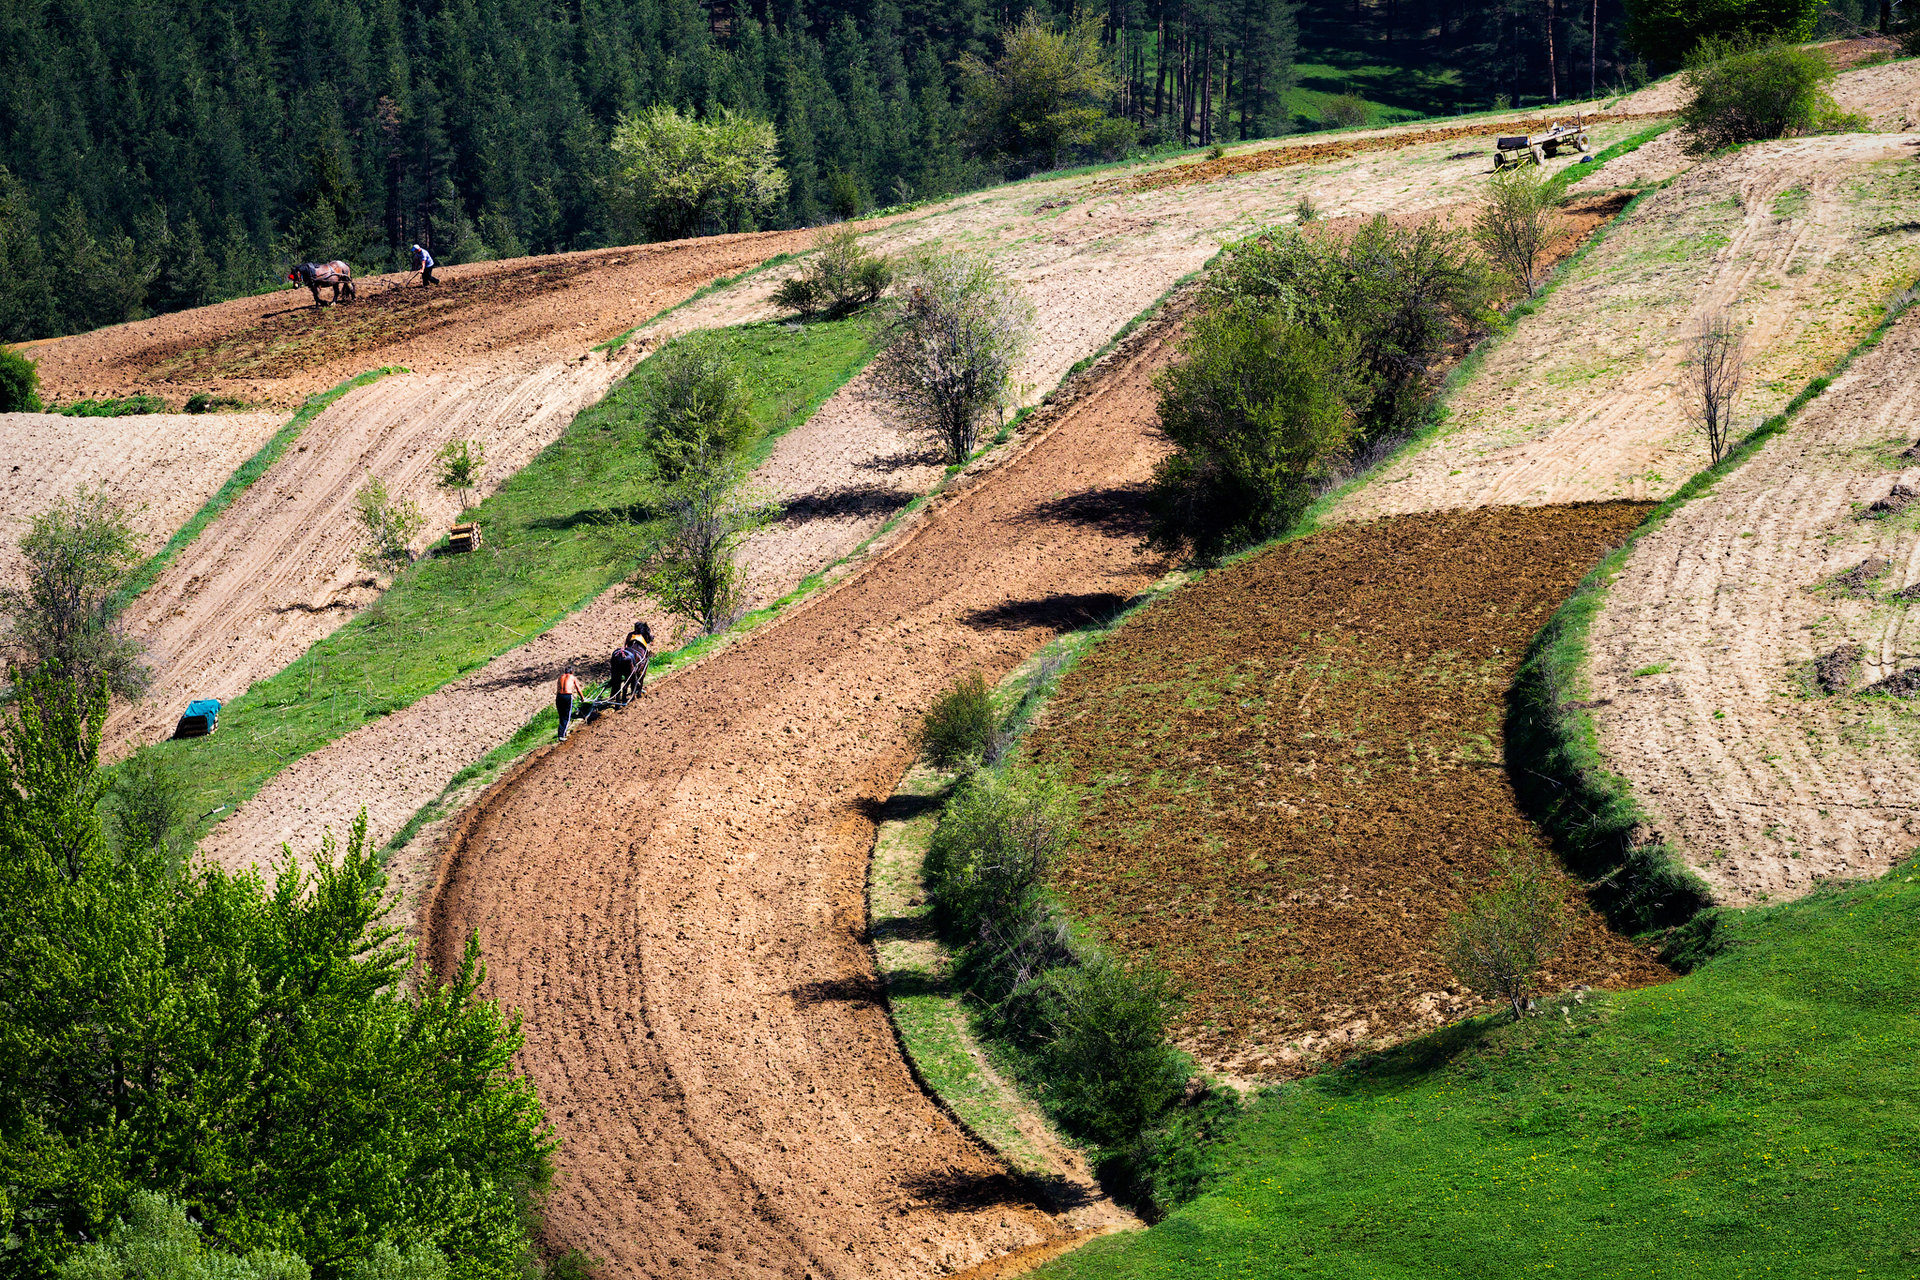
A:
[154, 157]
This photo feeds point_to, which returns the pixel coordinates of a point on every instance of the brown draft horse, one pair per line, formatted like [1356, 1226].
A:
[319, 275]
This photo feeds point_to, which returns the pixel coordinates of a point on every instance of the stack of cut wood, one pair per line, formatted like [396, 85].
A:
[463, 537]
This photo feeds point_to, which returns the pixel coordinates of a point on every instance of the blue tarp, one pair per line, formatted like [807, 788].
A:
[208, 707]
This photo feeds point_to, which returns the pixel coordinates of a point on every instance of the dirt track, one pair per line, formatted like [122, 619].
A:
[1768, 784]
[839, 476]
[673, 898]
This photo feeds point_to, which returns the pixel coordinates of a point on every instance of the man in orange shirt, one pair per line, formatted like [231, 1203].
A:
[564, 693]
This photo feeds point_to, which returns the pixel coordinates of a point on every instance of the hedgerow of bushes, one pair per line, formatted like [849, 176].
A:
[1088, 1034]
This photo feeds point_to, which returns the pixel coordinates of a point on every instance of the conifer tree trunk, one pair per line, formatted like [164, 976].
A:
[1553, 68]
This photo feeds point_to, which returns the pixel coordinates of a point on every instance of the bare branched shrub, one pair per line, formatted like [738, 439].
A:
[1516, 224]
[1715, 366]
[693, 570]
[1498, 945]
[956, 330]
[77, 554]
[840, 278]
[388, 525]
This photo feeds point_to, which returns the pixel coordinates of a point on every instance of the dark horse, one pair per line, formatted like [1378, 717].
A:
[319, 275]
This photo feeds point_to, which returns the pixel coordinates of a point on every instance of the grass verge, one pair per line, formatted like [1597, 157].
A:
[1565, 784]
[242, 478]
[1753, 1118]
[567, 526]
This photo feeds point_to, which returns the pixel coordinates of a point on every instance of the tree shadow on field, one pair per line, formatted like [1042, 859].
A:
[897, 808]
[918, 928]
[854, 500]
[608, 517]
[1413, 1061]
[1058, 612]
[861, 988]
[1120, 510]
[903, 461]
[951, 1190]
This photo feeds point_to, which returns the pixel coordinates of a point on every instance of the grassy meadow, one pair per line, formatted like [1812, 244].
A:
[1760, 1116]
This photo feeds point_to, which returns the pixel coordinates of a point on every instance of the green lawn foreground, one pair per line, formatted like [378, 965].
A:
[1760, 1116]
[557, 535]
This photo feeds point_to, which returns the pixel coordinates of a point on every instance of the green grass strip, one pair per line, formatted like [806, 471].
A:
[1559, 770]
[1754, 1118]
[238, 483]
[1556, 186]
[561, 531]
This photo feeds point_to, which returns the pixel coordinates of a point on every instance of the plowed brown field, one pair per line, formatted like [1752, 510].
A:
[1293, 772]
[1297, 153]
[500, 316]
[673, 898]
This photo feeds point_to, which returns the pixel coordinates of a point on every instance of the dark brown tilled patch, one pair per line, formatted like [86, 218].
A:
[1836, 670]
[1293, 771]
[1898, 499]
[1856, 583]
[1903, 684]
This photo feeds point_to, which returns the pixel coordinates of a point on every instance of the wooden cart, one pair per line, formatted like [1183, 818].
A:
[1537, 148]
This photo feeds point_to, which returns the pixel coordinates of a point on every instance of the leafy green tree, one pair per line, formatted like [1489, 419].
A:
[1515, 224]
[388, 525]
[1046, 92]
[676, 172]
[77, 552]
[19, 383]
[28, 307]
[695, 402]
[1746, 90]
[1670, 31]
[461, 464]
[1258, 417]
[157, 1242]
[263, 1054]
[840, 277]
[1400, 294]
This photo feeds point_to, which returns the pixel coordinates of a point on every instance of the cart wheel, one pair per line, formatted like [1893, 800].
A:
[1583, 144]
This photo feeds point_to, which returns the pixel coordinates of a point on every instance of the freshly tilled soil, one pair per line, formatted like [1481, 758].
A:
[674, 900]
[1294, 773]
[512, 315]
